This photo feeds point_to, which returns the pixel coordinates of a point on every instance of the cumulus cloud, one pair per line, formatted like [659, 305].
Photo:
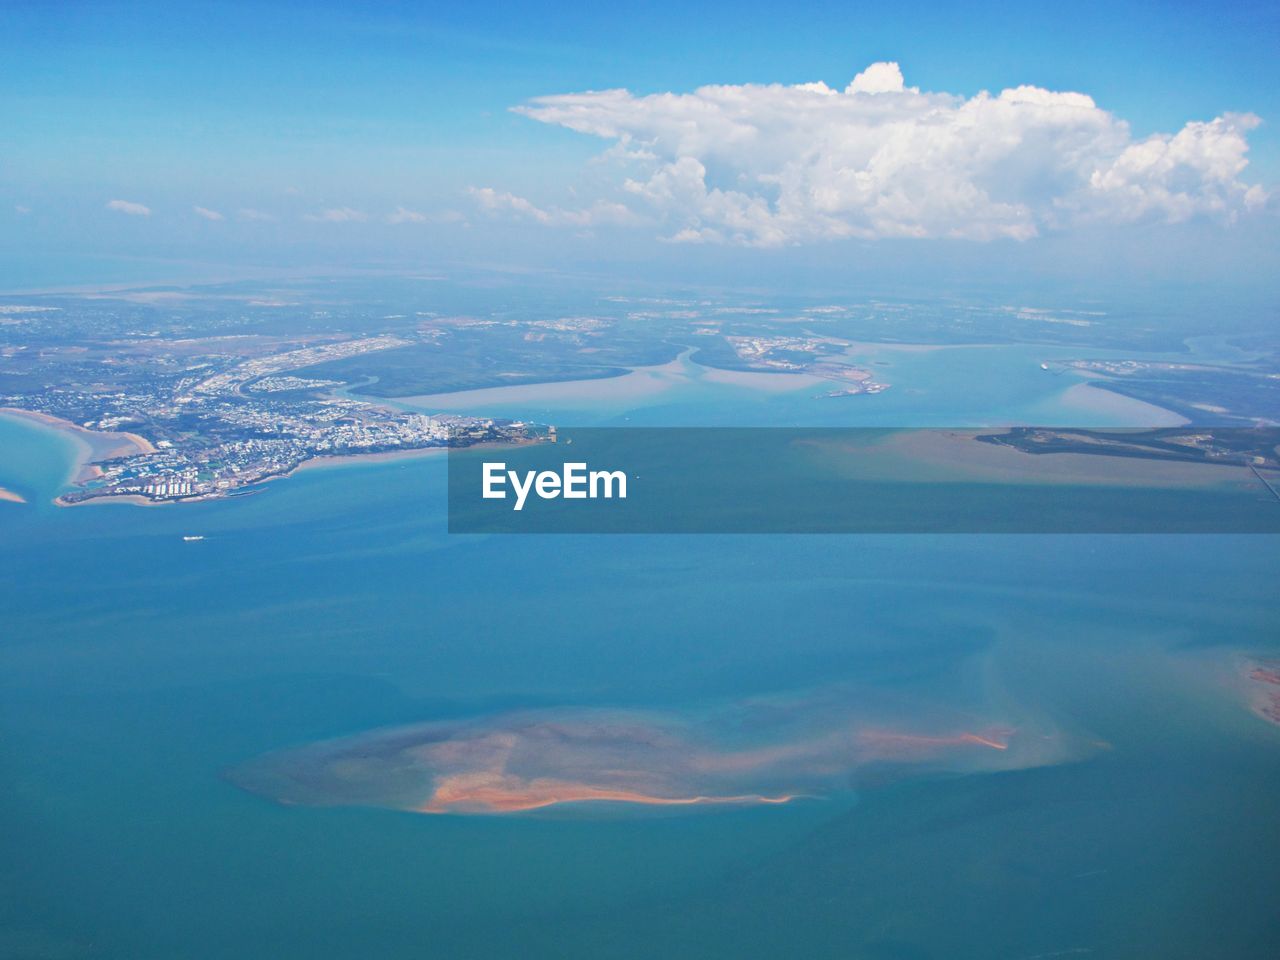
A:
[129, 207]
[1175, 177]
[207, 213]
[768, 165]
[879, 78]
[338, 215]
[248, 213]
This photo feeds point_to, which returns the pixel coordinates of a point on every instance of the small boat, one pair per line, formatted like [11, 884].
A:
[190, 539]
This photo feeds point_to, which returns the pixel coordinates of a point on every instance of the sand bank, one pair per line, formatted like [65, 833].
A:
[1095, 398]
[95, 445]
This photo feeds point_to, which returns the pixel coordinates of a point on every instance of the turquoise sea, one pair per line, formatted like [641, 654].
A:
[137, 669]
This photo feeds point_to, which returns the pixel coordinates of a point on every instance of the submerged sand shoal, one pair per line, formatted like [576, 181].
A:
[766, 750]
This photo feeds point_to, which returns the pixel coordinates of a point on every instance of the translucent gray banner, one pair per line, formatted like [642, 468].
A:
[856, 480]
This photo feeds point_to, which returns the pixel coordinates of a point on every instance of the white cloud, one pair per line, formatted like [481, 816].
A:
[21, 210]
[129, 207]
[248, 213]
[879, 78]
[402, 215]
[1176, 177]
[208, 214]
[338, 215]
[767, 165]
[600, 212]
[405, 215]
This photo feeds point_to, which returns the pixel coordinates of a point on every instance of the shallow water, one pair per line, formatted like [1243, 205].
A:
[943, 386]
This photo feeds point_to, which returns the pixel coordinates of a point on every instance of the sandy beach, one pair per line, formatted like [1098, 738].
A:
[131, 499]
[8, 496]
[91, 446]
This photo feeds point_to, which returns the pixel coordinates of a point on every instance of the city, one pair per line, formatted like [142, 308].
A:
[213, 427]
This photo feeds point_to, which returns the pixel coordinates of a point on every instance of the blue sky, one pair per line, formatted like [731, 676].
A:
[307, 127]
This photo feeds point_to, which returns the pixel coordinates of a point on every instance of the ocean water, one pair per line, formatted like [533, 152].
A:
[139, 672]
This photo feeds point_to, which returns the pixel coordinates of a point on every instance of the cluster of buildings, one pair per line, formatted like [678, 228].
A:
[205, 467]
[810, 355]
[763, 350]
[1123, 368]
[203, 432]
[161, 491]
[261, 367]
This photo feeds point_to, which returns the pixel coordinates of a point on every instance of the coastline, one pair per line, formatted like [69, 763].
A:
[133, 499]
[638, 383]
[359, 459]
[942, 454]
[635, 383]
[94, 446]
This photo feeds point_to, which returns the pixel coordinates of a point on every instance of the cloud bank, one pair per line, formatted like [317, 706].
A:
[771, 165]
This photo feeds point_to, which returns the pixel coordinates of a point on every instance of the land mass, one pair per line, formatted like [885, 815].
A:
[194, 393]
[1202, 393]
[1253, 447]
